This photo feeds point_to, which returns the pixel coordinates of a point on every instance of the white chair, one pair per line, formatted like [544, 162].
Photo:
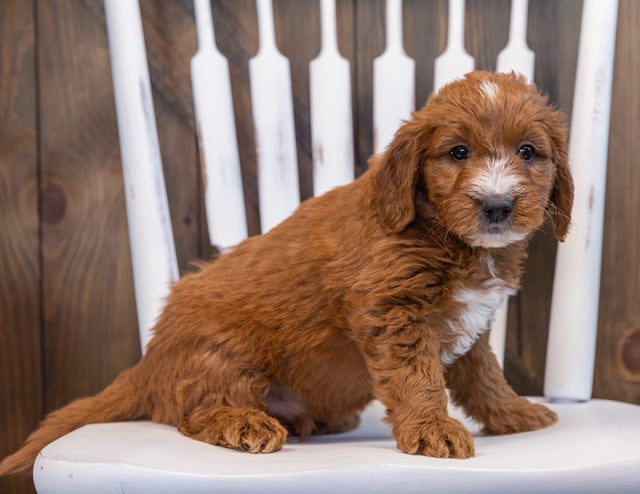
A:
[595, 447]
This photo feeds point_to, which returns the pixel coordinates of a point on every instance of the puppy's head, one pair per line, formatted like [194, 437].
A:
[491, 155]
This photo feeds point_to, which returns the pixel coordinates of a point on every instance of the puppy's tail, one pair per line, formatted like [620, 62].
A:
[121, 400]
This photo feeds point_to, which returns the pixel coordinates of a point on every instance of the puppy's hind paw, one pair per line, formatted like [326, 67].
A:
[441, 437]
[261, 435]
[521, 416]
[248, 429]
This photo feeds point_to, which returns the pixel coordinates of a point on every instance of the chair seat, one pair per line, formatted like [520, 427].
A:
[595, 447]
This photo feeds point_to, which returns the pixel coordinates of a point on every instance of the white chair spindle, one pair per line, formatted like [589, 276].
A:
[454, 62]
[331, 112]
[393, 81]
[147, 207]
[576, 289]
[517, 55]
[272, 105]
[220, 162]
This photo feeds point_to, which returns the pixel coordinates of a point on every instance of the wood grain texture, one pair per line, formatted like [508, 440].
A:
[347, 39]
[618, 352]
[236, 29]
[486, 30]
[89, 325]
[170, 39]
[298, 38]
[369, 34]
[20, 378]
[425, 26]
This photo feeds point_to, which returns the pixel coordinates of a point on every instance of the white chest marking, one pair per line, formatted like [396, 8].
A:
[480, 307]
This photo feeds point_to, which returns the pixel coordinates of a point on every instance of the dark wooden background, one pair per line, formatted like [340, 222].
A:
[67, 313]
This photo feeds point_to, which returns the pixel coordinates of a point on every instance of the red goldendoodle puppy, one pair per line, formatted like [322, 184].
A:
[383, 289]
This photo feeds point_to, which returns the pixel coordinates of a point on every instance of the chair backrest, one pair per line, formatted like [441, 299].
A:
[569, 368]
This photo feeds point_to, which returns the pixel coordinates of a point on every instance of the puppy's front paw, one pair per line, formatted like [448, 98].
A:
[442, 437]
[521, 416]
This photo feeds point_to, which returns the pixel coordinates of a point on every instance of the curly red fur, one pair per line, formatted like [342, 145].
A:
[380, 289]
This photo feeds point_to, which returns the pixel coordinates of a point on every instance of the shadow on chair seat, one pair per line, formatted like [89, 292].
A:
[595, 447]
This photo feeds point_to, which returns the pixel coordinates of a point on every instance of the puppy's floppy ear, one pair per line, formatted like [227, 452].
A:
[562, 193]
[395, 178]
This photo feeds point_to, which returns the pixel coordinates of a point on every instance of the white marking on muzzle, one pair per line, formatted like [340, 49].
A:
[495, 180]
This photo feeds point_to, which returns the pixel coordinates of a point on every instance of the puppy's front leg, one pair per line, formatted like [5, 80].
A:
[408, 379]
[478, 385]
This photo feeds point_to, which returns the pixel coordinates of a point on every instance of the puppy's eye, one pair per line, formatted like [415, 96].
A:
[459, 153]
[527, 153]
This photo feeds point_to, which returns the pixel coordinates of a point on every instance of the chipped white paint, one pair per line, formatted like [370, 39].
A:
[576, 289]
[393, 82]
[155, 268]
[480, 307]
[213, 104]
[489, 90]
[331, 119]
[272, 105]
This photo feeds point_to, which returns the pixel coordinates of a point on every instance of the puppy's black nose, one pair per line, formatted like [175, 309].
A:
[497, 209]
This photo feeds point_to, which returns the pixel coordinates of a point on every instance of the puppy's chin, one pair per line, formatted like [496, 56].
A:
[490, 240]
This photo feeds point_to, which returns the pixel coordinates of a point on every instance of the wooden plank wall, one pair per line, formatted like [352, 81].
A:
[67, 314]
[21, 390]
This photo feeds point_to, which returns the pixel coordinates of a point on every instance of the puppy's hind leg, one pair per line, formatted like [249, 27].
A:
[227, 409]
[338, 426]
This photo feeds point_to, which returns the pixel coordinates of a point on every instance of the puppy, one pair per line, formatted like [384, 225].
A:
[383, 288]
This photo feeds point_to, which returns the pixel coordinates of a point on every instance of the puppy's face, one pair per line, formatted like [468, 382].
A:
[489, 164]
[492, 156]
